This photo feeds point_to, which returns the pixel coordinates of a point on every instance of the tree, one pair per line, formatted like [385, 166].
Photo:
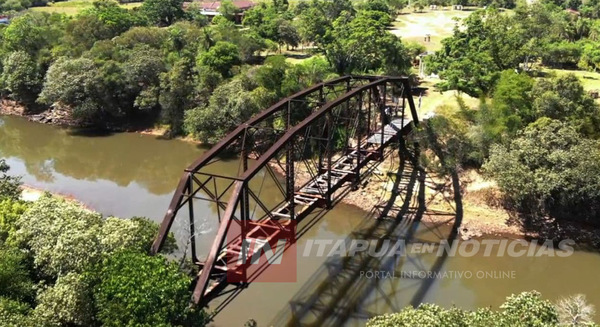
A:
[590, 56]
[68, 302]
[176, 89]
[135, 235]
[14, 313]
[228, 10]
[564, 98]
[575, 311]
[135, 289]
[511, 108]
[221, 57]
[31, 32]
[489, 42]
[363, 44]
[163, 12]
[525, 309]
[20, 77]
[103, 21]
[288, 34]
[10, 211]
[77, 84]
[230, 105]
[549, 169]
[9, 185]
[15, 280]
[62, 236]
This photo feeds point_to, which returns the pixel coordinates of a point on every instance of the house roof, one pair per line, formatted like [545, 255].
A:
[214, 5]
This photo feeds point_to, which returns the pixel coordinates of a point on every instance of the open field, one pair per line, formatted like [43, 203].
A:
[433, 99]
[589, 80]
[413, 26]
[74, 7]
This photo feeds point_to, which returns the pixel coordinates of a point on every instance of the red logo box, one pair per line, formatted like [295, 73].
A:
[261, 251]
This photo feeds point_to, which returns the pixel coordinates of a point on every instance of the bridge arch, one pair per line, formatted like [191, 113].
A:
[370, 113]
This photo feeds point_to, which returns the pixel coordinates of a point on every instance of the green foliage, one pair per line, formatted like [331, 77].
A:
[510, 110]
[525, 309]
[13, 313]
[62, 236]
[228, 10]
[231, 104]
[68, 302]
[221, 57]
[103, 21]
[138, 290]
[135, 235]
[163, 12]
[10, 211]
[15, 280]
[31, 32]
[362, 44]
[448, 136]
[563, 98]
[77, 84]
[551, 169]
[20, 77]
[9, 185]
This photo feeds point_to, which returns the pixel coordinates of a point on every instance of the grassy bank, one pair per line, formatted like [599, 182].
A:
[75, 6]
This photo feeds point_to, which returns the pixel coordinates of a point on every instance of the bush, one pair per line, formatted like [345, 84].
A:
[549, 169]
[10, 211]
[14, 313]
[15, 279]
[62, 236]
[139, 290]
[525, 309]
[9, 185]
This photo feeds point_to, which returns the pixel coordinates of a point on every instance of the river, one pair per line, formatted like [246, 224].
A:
[129, 174]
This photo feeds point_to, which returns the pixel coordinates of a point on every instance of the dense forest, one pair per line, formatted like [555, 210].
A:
[64, 265]
[116, 67]
[534, 133]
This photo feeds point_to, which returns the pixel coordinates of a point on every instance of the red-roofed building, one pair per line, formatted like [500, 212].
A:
[211, 8]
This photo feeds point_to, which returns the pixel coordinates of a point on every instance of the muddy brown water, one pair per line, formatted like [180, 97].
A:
[128, 174]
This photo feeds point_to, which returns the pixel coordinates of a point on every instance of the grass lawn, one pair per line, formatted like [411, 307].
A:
[75, 6]
[589, 80]
[413, 26]
[433, 99]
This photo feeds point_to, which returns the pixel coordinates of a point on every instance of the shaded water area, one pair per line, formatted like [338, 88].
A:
[135, 175]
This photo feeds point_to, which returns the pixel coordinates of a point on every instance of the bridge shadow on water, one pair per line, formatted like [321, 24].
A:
[345, 289]
[339, 292]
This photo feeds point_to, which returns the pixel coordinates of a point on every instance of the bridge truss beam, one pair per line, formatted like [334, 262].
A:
[307, 146]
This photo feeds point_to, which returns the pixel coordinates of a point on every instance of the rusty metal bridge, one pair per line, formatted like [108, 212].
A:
[306, 148]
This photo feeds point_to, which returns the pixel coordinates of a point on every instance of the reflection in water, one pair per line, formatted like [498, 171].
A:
[122, 174]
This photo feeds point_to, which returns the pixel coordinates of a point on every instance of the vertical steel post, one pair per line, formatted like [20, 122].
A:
[190, 189]
[358, 141]
[321, 145]
[384, 120]
[329, 154]
[369, 113]
[289, 166]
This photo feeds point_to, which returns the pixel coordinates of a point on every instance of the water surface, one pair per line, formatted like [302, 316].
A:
[129, 175]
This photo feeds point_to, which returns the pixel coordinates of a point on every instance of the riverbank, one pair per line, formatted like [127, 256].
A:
[60, 117]
[31, 194]
[483, 212]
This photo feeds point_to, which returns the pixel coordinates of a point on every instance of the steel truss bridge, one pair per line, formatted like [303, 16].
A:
[307, 148]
